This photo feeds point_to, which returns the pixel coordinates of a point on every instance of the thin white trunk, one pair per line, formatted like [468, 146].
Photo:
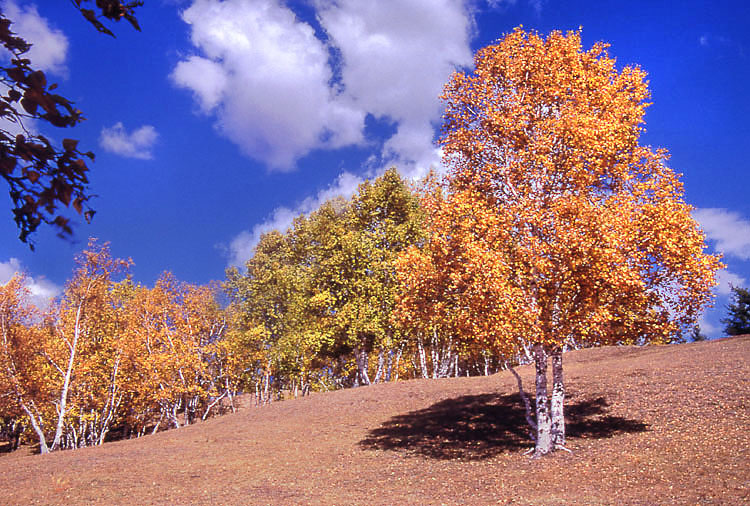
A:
[29, 409]
[214, 403]
[36, 424]
[381, 366]
[558, 399]
[360, 356]
[66, 381]
[113, 402]
[422, 358]
[266, 387]
[444, 360]
[395, 367]
[434, 354]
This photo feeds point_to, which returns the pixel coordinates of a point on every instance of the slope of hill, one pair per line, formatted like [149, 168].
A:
[648, 425]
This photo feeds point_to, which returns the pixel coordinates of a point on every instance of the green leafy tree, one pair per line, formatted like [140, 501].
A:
[358, 274]
[274, 299]
[324, 291]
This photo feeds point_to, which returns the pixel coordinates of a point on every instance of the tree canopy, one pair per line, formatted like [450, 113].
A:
[582, 233]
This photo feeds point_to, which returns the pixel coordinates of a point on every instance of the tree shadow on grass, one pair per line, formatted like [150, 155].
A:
[477, 427]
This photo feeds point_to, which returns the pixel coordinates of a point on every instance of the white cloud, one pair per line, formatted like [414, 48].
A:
[136, 144]
[242, 247]
[500, 4]
[709, 328]
[42, 290]
[8, 269]
[265, 76]
[279, 91]
[49, 46]
[206, 78]
[728, 229]
[703, 40]
[396, 57]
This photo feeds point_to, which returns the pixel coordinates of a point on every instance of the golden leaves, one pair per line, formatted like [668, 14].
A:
[554, 205]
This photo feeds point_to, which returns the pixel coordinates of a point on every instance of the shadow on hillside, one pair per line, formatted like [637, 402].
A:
[476, 427]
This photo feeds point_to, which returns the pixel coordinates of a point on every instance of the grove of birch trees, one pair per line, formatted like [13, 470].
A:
[553, 229]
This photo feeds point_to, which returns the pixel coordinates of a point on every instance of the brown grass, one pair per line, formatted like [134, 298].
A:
[650, 425]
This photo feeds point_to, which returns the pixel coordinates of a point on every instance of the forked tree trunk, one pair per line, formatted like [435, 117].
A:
[543, 420]
[66, 380]
[558, 399]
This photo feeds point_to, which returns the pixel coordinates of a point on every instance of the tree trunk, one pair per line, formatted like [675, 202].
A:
[558, 398]
[422, 358]
[266, 394]
[360, 356]
[37, 426]
[381, 366]
[543, 421]
[66, 380]
[394, 375]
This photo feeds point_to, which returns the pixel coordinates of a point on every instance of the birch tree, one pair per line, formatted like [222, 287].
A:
[591, 240]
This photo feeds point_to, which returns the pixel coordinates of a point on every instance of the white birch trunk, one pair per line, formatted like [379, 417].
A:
[543, 422]
[381, 366]
[422, 359]
[37, 426]
[558, 399]
[395, 367]
[360, 356]
[66, 380]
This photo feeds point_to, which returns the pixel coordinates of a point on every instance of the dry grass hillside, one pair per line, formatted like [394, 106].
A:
[650, 425]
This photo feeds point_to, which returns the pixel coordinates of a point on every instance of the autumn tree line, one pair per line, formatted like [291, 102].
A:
[553, 228]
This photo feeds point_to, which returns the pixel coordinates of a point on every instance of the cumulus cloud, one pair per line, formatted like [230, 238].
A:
[136, 144]
[242, 247]
[396, 57]
[42, 290]
[727, 229]
[280, 89]
[265, 76]
[49, 46]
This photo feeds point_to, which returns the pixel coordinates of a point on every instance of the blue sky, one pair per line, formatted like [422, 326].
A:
[225, 119]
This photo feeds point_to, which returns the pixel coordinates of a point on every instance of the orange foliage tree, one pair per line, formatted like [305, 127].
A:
[568, 231]
[83, 351]
[175, 330]
[19, 337]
